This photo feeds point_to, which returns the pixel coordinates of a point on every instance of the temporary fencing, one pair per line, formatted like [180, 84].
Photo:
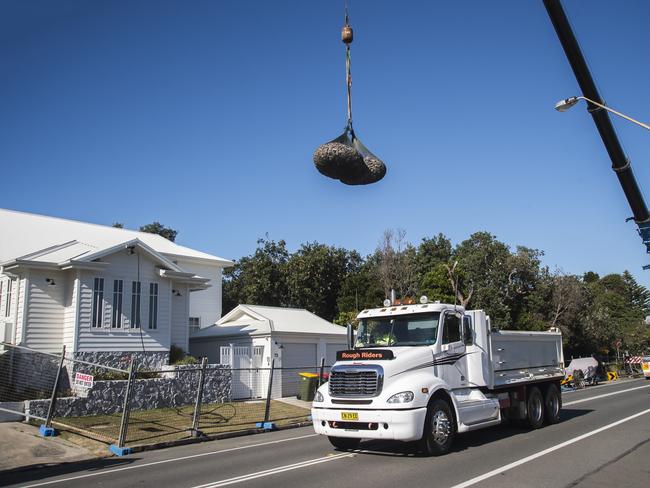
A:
[26, 374]
[129, 407]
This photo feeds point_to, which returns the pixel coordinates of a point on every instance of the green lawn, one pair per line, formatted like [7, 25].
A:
[166, 424]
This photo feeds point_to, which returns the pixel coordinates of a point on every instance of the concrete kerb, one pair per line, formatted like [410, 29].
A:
[214, 437]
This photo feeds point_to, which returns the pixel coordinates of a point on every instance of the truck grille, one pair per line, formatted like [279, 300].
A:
[355, 381]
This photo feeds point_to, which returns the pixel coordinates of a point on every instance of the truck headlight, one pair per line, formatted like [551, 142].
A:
[402, 397]
[318, 397]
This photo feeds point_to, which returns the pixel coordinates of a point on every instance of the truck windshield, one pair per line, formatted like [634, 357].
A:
[399, 330]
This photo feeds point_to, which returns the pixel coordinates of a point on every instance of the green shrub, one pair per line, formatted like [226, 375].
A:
[108, 375]
[186, 360]
[175, 354]
[178, 357]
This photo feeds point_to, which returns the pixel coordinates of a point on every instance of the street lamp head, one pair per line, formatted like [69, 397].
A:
[566, 104]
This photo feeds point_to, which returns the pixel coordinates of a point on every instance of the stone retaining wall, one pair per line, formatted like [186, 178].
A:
[121, 360]
[176, 387]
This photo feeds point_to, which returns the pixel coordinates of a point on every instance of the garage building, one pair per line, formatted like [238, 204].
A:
[250, 336]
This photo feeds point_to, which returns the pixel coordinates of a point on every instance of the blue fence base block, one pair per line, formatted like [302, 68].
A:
[45, 431]
[265, 425]
[120, 451]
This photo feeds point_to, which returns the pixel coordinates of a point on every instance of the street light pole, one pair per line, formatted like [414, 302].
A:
[567, 103]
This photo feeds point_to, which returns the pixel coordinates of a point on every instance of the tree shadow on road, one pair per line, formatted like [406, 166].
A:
[37, 472]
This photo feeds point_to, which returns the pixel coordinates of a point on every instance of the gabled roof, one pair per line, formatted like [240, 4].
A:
[75, 254]
[258, 319]
[54, 239]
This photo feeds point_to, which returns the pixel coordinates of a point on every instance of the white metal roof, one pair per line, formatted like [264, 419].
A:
[257, 319]
[27, 233]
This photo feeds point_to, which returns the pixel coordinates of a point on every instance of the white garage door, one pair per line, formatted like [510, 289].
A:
[331, 349]
[301, 357]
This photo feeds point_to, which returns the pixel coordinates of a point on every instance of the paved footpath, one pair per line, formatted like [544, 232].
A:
[602, 440]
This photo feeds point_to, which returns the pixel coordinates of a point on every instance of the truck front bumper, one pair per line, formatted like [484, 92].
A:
[400, 425]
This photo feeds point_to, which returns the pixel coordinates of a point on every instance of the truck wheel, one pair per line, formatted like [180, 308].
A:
[439, 429]
[344, 443]
[552, 404]
[535, 408]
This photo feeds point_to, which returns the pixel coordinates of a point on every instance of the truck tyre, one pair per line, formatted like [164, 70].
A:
[344, 443]
[552, 404]
[439, 429]
[535, 408]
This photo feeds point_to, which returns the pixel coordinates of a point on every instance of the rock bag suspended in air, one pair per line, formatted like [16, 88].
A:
[346, 158]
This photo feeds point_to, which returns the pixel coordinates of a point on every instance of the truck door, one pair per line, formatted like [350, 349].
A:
[452, 361]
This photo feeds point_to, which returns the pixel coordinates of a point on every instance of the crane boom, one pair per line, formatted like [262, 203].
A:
[620, 163]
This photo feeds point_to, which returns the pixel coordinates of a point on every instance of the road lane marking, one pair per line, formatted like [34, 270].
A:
[276, 470]
[527, 459]
[164, 461]
[575, 402]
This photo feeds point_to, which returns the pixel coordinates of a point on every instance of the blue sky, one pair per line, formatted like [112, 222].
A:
[204, 116]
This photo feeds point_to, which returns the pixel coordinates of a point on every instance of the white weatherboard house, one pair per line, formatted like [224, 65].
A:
[103, 292]
[250, 336]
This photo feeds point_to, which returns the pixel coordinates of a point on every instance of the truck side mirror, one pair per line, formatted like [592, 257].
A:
[467, 331]
[350, 334]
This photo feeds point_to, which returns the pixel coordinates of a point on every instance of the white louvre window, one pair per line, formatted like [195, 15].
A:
[136, 288]
[118, 289]
[98, 302]
[10, 285]
[153, 305]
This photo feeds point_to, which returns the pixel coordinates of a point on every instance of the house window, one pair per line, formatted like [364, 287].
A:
[153, 305]
[195, 324]
[118, 288]
[135, 304]
[98, 303]
[10, 285]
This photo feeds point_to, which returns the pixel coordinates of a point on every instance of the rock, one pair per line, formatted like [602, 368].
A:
[374, 170]
[337, 160]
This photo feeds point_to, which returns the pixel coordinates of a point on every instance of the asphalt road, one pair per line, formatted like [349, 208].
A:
[602, 440]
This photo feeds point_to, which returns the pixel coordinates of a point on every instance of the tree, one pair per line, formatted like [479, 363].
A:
[118, 225]
[360, 288]
[568, 301]
[314, 276]
[258, 279]
[158, 228]
[437, 284]
[430, 254]
[396, 266]
[482, 274]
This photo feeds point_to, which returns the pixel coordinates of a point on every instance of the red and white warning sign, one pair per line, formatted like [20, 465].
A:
[83, 380]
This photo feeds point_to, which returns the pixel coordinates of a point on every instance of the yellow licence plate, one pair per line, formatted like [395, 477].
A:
[349, 416]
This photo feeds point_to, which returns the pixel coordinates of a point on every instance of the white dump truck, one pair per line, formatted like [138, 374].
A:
[428, 371]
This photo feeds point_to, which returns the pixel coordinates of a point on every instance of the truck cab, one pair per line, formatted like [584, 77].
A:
[425, 372]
